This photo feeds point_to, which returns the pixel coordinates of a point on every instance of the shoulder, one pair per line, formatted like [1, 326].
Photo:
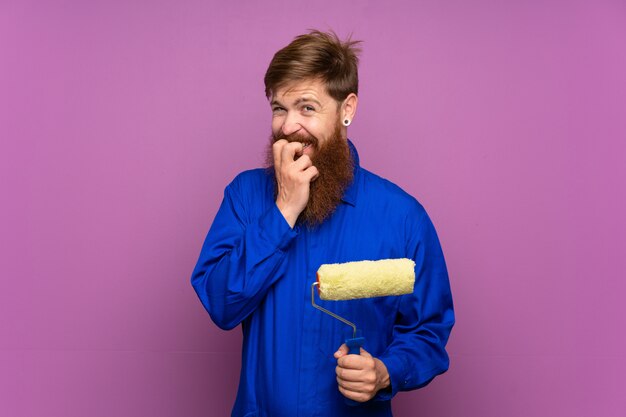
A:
[252, 190]
[398, 209]
[252, 180]
[381, 191]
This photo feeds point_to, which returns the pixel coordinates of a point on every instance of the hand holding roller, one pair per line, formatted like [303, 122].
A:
[363, 279]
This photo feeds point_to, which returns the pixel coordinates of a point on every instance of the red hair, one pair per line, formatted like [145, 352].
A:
[316, 55]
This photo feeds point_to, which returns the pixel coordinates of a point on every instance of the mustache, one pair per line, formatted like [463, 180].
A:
[296, 137]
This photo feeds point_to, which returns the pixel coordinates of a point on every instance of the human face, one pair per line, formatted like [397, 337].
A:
[305, 110]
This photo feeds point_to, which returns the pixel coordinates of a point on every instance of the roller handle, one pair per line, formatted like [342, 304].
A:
[354, 345]
[354, 348]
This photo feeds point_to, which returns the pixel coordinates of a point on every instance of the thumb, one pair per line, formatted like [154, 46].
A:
[365, 353]
[342, 351]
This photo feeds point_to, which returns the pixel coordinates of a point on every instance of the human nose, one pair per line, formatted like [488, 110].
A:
[291, 124]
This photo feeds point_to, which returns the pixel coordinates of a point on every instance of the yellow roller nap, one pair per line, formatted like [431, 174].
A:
[365, 279]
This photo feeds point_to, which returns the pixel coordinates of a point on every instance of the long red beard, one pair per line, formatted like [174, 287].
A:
[335, 165]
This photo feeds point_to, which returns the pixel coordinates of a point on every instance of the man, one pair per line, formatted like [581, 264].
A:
[315, 205]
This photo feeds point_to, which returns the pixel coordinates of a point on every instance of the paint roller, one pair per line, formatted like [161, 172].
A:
[362, 279]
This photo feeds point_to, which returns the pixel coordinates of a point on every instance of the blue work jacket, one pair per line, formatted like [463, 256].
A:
[256, 271]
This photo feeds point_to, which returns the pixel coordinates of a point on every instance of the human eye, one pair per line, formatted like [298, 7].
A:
[308, 108]
[277, 109]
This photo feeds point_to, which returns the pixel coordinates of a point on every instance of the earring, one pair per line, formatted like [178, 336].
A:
[346, 122]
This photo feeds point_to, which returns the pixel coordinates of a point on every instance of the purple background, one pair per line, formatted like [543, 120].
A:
[122, 122]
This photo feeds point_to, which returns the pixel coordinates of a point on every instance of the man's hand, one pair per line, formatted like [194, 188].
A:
[360, 377]
[294, 178]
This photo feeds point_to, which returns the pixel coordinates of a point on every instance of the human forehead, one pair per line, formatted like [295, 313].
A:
[298, 91]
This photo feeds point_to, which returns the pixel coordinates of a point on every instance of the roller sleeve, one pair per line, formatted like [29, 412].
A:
[365, 279]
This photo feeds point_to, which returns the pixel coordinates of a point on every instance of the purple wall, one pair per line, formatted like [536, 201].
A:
[121, 124]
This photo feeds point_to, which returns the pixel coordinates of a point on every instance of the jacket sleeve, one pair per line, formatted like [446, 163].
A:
[424, 319]
[241, 258]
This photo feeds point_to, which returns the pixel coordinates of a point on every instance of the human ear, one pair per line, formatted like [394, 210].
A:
[348, 108]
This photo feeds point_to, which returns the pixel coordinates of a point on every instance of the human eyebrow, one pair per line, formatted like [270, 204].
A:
[275, 103]
[307, 100]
